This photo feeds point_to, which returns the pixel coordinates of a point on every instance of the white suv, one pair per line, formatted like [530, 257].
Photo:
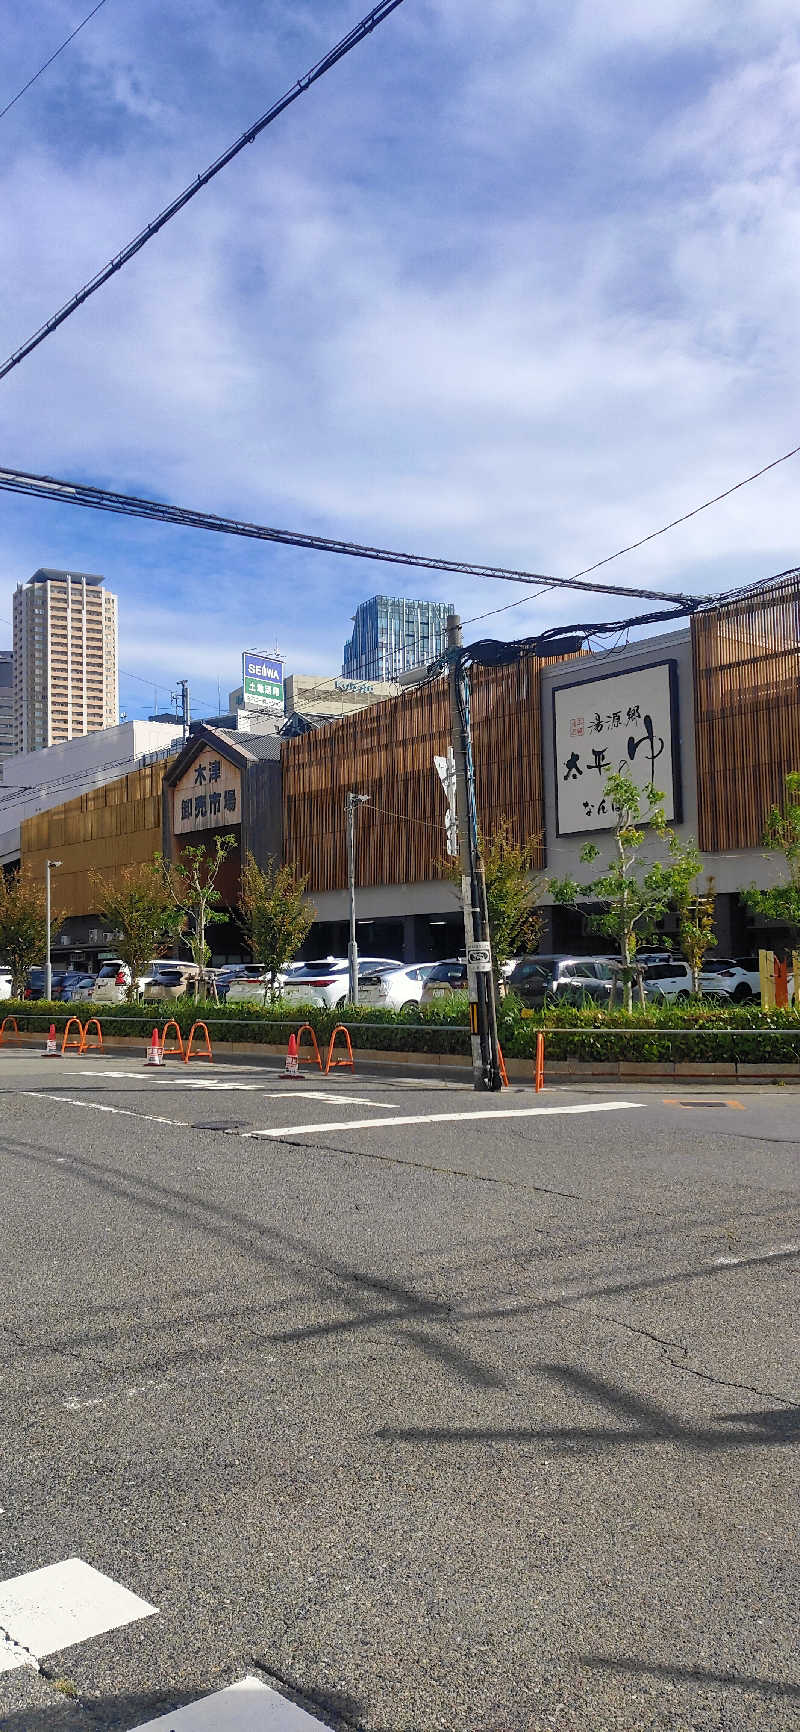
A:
[111, 985]
[327, 984]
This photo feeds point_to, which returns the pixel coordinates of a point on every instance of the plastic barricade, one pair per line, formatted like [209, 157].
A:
[313, 1057]
[502, 1065]
[332, 1062]
[68, 1045]
[174, 1051]
[97, 1043]
[538, 1069]
[207, 1053]
[4, 1025]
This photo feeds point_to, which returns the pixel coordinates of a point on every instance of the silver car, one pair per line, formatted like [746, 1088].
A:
[397, 988]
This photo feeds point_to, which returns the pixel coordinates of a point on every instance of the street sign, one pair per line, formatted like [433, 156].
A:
[479, 957]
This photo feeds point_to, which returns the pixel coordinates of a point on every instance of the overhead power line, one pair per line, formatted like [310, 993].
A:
[54, 56]
[353, 37]
[654, 534]
[129, 505]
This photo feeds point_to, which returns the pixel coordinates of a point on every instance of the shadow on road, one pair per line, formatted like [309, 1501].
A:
[770, 1688]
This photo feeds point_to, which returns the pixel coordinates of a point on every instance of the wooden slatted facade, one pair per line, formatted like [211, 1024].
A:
[387, 752]
[112, 826]
[746, 657]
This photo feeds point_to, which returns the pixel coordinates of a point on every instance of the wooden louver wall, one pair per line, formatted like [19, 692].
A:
[116, 825]
[746, 657]
[387, 752]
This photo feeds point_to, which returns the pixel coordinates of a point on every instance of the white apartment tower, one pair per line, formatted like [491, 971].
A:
[65, 658]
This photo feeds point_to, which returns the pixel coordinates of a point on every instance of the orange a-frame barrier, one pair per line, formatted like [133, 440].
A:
[74, 1045]
[97, 1045]
[3, 1025]
[189, 1054]
[502, 1065]
[333, 1062]
[314, 1057]
[175, 1051]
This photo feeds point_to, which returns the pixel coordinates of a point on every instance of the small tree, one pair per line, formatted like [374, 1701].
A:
[139, 905]
[637, 892]
[512, 895]
[23, 926]
[275, 915]
[782, 836]
[192, 882]
[695, 921]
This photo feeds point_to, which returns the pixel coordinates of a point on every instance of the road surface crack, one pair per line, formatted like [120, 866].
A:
[665, 1341]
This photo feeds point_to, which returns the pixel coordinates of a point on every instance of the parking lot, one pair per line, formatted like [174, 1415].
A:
[370, 1402]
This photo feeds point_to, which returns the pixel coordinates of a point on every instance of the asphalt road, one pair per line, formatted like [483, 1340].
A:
[427, 1410]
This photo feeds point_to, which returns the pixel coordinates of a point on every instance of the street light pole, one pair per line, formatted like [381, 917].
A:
[48, 971]
[480, 982]
[353, 800]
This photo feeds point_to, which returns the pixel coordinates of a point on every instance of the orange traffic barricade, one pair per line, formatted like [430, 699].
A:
[502, 1065]
[175, 1051]
[313, 1057]
[207, 1053]
[97, 1044]
[4, 1024]
[538, 1069]
[76, 1045]
[333, 1062]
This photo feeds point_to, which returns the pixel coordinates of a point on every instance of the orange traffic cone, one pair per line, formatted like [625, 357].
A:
[51, 1047]
[154, 1054]
[292, 1067]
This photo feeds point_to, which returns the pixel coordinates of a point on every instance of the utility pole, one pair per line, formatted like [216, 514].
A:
[182, 695]
[353, 800]
[48, 970]
[480, 980]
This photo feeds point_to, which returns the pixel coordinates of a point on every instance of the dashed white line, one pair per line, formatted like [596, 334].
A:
[443, 1118]
[248, 1706]
[55, 1607]
[100, 1107]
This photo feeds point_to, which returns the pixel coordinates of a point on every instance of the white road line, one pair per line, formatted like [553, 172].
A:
[444, 1118]
[53, 1608]
[247, 1088]
[249, 1706]
[757, 1256]
[100, 1107]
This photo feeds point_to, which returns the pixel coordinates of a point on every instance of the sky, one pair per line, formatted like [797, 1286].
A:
[514, 284]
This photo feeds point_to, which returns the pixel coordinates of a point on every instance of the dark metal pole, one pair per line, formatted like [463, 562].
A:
[352, 948]
[482, 1020]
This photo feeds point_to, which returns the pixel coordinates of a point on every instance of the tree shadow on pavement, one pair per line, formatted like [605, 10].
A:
[125, 1712]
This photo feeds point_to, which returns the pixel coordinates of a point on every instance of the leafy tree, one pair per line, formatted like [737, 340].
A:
[275, 915]
[636, 892]
[23, 926]
[192, 882]
[695, 921]
[782, 835]
[138, 903]
[511, 896]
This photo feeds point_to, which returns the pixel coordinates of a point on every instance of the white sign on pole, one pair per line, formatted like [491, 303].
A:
[626, 722]
[446, 771]
[479, 957]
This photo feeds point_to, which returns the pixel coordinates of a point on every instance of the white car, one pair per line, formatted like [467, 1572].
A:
[252, 986]
[397, 988]
[326, 984]
[670, 978]
[734, 978]
[112, 983]
[5, 982]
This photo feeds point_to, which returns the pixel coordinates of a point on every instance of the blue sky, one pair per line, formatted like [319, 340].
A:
[513, 284]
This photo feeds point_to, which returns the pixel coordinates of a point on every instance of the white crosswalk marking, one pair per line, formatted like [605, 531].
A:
[249, 1706]
[55, 1607]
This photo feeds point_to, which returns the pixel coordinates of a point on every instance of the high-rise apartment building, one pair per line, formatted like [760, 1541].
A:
[6, 705]
[392, 634]
[65, 658]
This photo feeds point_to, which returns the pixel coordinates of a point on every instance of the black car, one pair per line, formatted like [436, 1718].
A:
[76, 984]
[539, 980]
[35, 986]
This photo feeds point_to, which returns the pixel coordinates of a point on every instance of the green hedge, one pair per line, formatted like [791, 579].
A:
[685, 1032]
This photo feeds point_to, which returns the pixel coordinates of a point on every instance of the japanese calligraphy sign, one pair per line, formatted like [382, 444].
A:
[626, 721]
[208, 795]
[262, 679]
